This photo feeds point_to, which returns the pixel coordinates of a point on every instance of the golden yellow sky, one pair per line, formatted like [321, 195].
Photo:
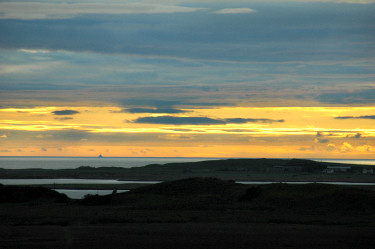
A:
[313, 132]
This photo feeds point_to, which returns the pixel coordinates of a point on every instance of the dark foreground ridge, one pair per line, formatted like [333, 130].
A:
[21, 194]
[204, 200]
[191, 213]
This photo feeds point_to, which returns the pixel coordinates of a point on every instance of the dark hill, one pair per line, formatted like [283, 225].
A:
[215, 194]
[228, 169]
[17, 194]
[316, 197]
[252, 165]
[190, 186]
[192, 193]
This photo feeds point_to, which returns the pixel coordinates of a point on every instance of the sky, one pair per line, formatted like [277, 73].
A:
[189, 78]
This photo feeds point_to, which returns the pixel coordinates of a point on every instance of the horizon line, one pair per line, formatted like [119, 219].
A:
[195, 157]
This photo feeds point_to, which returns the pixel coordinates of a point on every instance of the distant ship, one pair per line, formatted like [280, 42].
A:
[100, 156]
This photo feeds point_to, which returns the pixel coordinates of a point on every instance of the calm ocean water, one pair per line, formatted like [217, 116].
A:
[349, 161]
[125, 162]
[75, 162]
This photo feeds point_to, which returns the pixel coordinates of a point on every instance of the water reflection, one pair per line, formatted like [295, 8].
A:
[79, 194]
[69, 181]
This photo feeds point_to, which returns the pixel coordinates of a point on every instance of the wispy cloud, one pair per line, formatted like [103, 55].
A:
[252, 120]
[364, 97]
[153, 110]
[280, 1]
[343, 1]
[321, 140]
[357, 117]
[42, 10]
[64, 118]
[289, 1]
[172, 120]
[65, 112]
[235, 11]
[30, 68]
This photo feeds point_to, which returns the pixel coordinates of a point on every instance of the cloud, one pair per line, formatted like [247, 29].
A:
[357, 117]
[364, 148]
[344, 1]
[30, 10]
[176, 137]
[172, 120]
[41, 10]
[5, 151]
[64, 118]
[358, 135]
[252, 120]
[346, 147]
[358, 97]
[289, 1]
[235, 11]
[157, 103]
[43, 149]
[331, 147]
[307, 148]
[166, 103]
[298, 35]
[30, 68]
[321, 140]
[153, 110]
[65, 112]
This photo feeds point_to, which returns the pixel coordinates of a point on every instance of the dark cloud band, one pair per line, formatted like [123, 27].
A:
[252, 120]
[179, 120]
[357, 117]
[153, 110]
[65, 112]
[199, 120]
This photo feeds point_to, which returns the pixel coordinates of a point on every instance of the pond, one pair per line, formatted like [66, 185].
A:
[79, 194]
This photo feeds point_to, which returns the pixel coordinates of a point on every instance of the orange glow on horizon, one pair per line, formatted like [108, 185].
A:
[87, 131]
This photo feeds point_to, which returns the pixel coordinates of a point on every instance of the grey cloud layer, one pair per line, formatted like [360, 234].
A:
[65, 112]
[42, 10]
[153, 110]
[293, 53]
[354, 97]
[252, 120]
[172, 120]
[357, 117]
[243, 37]
[167, 102]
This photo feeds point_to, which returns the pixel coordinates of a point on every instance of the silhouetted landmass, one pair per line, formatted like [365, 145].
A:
[193, 213]
[200, 200]
[230, 169]
[199, 205]
[19, 194]
[215, 194]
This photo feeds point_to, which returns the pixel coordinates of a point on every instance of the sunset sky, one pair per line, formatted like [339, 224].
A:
[189, 78]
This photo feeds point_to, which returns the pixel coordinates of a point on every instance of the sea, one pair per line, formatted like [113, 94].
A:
[75, 162]
[124, 162]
